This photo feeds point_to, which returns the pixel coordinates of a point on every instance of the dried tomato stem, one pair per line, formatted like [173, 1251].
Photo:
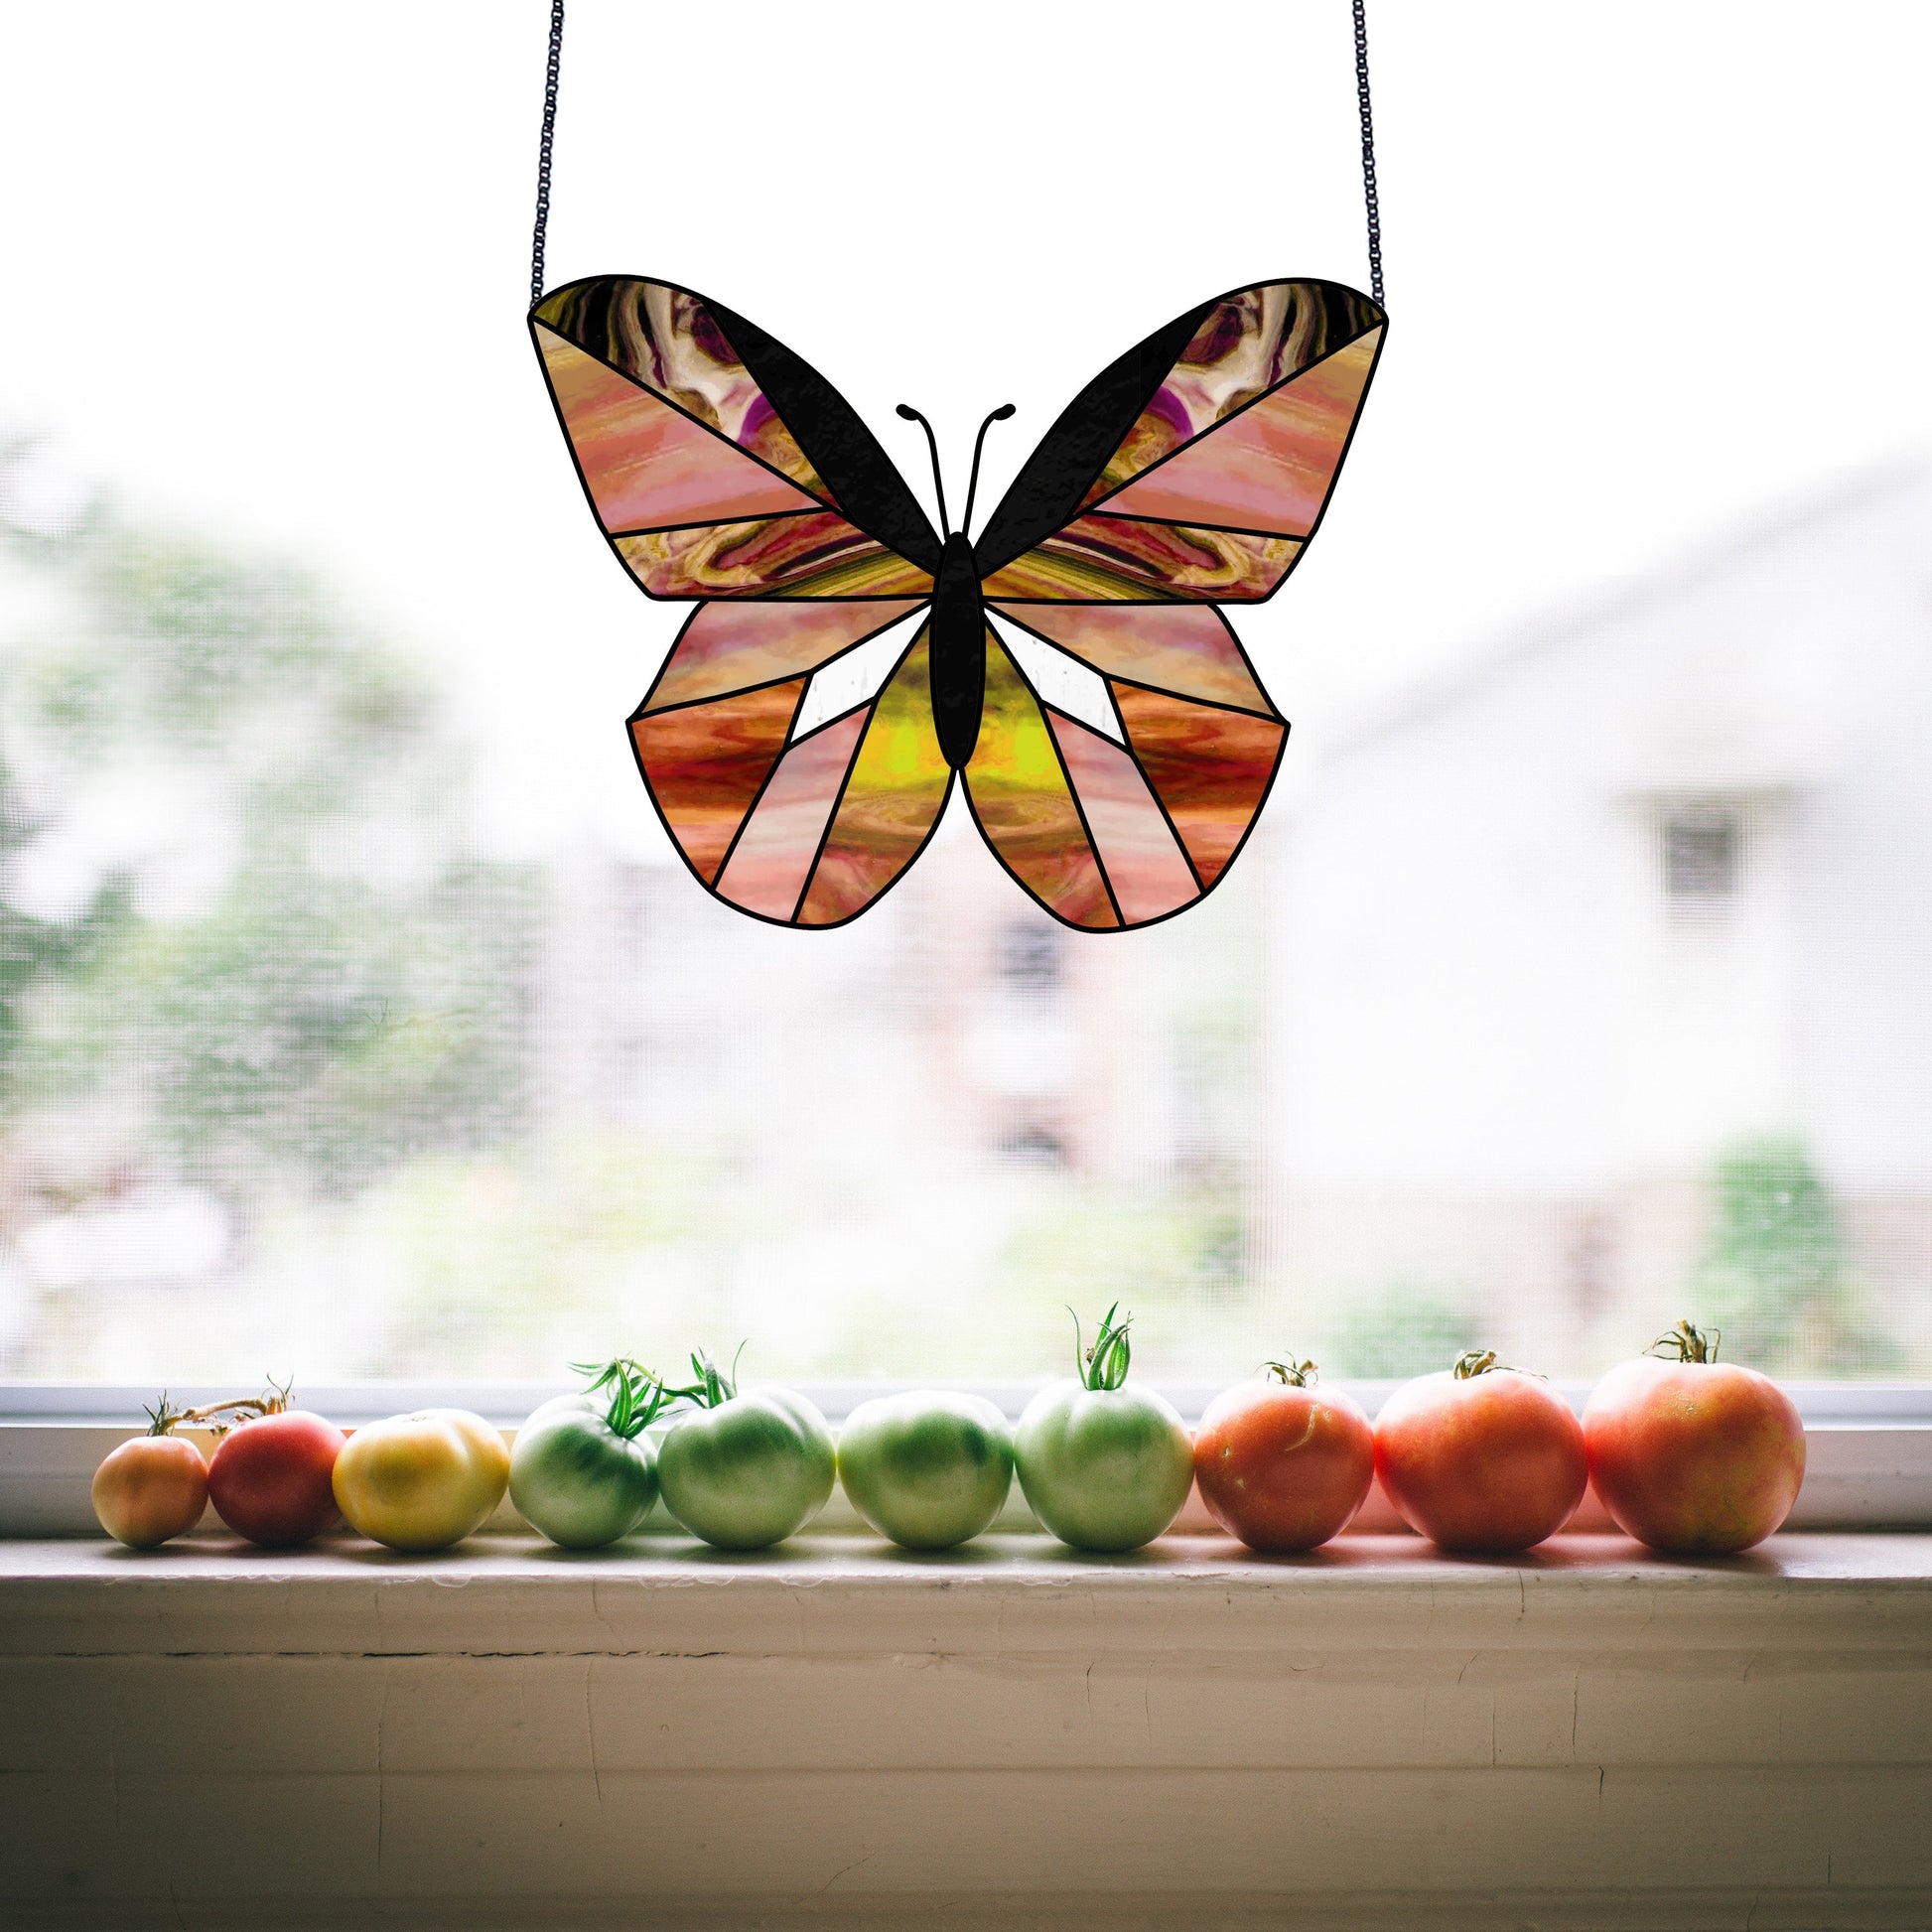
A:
[1688, 1343]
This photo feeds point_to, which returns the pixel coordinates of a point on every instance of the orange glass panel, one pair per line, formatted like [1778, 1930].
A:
[704, 764]
[1211, 768]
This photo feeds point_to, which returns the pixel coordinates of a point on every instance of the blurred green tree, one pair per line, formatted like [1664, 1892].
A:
[1776, 1273]
[1406, 1328]
[288, 971]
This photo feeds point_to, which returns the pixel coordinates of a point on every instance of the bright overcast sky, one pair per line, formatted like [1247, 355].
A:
[1654, 270]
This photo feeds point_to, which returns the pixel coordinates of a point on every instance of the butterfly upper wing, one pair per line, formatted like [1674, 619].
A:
[722, 467]
[1198, 466]
[718, 462]
[1191, 472]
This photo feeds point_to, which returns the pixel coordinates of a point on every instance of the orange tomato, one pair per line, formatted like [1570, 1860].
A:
[1481, 1458]
[149, 1490]
[1281, 1464]
[1696, 1456]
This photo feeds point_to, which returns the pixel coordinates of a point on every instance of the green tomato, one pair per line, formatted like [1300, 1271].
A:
[929, 1470]
[748, 1473]
[575, 1478]
[1103, 1468]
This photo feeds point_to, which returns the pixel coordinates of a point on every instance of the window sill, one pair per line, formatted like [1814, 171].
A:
[1013, 1735]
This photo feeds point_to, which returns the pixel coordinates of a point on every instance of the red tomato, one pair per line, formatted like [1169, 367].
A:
[1694, 1456]
[1280, 1464]
[149, 1490]
[272, 1480]
[1479, 1457]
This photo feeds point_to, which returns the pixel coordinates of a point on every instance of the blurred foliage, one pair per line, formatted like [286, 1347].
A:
[287, 971]
[552, 1251]
[1406, 1328]
[1777, 1274]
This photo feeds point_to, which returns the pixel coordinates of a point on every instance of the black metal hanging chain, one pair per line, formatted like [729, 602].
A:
[1368, 154]
[550, 132]
[543, 149]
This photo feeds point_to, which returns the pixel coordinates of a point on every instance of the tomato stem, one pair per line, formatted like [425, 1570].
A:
[1104, 1365]
[220, 1417]
[1688, 1343]
[1480, 1361]
[1297, 1375]
[161, 1417]
[638, 1395]
[712, 1386]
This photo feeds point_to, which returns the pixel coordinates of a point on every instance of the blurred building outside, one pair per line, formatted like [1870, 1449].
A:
[1578, 993]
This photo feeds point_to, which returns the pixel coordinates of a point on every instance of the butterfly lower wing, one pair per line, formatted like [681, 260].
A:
[805, 829]
[718, 462]
[1111, 833]
[1197, 467]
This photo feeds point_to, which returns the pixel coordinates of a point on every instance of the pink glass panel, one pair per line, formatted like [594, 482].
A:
[1171, 646]
[648, 466]
[1267, 468]
[727, 646]
[767, 871]
[1145, 867]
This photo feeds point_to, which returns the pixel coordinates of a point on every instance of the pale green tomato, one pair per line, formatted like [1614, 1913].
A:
[1103, 1468]
[928, 1469]
[750, 1472]
[580, 1482]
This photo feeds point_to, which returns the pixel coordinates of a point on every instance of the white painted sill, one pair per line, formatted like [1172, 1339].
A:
[1010, 1736]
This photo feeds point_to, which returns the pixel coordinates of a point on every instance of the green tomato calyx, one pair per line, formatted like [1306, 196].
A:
[713, 1385]
[1296, 1375]
[1104, 1365]
[1686, 1343]
[637, 1394]
[1472, 1362]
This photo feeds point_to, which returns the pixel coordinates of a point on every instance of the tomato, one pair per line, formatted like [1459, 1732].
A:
[1280, 1464]
[1104, 1466]
[583, 1471]
[422, 1481]
[1694, 1456]
[1481, 1458]
[745, 1472]
[929, 1470]
[151, 1488]
[271, 1479]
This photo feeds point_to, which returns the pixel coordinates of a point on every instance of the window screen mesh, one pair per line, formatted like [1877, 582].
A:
[299, 1076]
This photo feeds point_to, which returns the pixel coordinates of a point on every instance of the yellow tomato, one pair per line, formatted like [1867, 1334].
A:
[422, 1481]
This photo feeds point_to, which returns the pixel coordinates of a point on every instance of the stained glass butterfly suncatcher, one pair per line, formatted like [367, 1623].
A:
[1190, 474]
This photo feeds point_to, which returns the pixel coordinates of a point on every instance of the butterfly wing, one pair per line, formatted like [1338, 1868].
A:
[722, 467]
[1193, 470]
[1109, 829]
[718, 462]
[1197, 467]
[801, 828]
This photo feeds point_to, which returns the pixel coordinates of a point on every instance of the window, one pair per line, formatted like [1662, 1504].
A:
[1699, 855]
[357, 1020]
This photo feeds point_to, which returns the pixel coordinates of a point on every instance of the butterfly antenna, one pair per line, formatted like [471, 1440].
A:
[912, 415]
[998, 415]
